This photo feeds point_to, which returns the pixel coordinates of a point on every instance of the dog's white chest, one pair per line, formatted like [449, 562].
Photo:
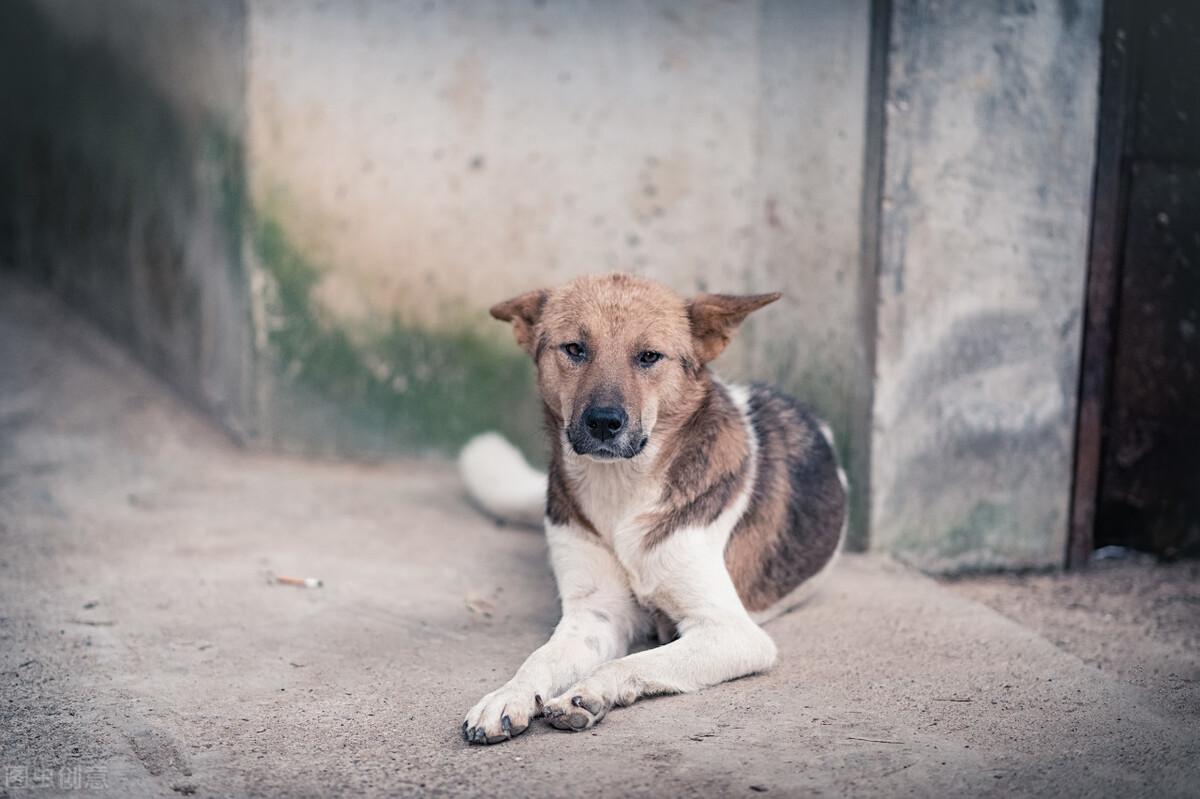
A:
[613, 495]
[616, 498]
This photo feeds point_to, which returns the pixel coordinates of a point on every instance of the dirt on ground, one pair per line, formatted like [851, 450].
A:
[1134, 619]
[145, 649]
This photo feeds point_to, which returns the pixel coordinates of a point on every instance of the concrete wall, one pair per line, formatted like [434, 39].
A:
[429, 160]
[298, 212]
[991, 119]
[121, 180]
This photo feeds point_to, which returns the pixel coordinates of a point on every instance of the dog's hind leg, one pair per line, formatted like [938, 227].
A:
[600, 620]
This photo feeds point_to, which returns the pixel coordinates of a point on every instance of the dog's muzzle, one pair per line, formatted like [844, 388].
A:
[604, 432]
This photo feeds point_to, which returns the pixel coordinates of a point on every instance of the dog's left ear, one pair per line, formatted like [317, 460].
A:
[524, 311]
[714, 317]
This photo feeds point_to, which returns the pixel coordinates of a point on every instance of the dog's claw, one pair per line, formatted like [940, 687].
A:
[575, 711]
[501, 715]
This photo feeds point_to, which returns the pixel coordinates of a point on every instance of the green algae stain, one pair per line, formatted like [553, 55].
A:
[980, 539]
[414, 387]
[974, 532]
[224, 152]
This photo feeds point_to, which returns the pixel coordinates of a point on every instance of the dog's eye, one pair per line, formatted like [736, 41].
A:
[574, 351]
[649, 357]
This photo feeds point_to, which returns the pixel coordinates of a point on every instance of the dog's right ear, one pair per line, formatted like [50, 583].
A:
[524, 311]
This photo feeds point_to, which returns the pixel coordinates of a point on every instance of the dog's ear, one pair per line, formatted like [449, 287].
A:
[714, 317]
[523, 311]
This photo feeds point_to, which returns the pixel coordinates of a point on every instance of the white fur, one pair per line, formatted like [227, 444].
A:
[599, 621]
[611, 493]
[827, 434]
[741, 400]
[501, 481]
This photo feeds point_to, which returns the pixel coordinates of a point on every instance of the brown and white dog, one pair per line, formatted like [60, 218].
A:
[674, 503]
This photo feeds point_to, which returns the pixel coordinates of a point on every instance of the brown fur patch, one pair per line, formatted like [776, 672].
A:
[561, 507]
[705, 466]
[714, 317]
[794, 521]
[524, 312]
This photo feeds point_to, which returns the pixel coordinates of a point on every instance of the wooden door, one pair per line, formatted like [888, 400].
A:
[1138, 455]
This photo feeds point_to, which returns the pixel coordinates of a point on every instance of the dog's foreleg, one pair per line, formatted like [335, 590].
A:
[599, 620]
[717, 639]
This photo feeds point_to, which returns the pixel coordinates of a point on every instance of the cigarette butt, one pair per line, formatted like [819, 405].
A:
[300, 582]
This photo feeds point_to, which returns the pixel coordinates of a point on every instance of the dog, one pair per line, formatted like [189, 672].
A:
[674, 505]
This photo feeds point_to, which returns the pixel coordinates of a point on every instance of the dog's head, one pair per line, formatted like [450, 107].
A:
[618, 356]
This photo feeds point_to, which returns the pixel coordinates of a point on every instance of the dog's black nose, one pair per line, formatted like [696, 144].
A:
[604, 423]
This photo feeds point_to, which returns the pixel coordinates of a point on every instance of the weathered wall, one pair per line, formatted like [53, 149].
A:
[409, 164]
[427, 160]
[807, 234]
[991, 118]
[121, 178]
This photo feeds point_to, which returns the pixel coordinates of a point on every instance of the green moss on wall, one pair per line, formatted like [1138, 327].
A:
[986, 538]
[408, 386]
[225, 153]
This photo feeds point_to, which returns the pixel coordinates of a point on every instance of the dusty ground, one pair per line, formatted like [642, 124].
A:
[1135, 620]
[143, 652]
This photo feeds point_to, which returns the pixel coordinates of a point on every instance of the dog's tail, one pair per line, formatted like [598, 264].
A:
[501, 482]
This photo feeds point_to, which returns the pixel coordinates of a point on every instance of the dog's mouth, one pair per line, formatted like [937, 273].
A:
[609, 451]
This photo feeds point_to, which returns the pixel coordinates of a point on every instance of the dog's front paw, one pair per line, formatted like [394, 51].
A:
[576, 709]
[501, 714]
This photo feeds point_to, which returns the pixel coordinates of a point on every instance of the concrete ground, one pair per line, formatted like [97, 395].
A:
[143, 651]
